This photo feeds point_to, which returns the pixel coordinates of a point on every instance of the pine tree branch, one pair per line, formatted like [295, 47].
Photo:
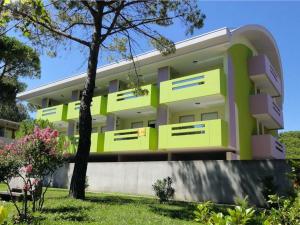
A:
[50, 28]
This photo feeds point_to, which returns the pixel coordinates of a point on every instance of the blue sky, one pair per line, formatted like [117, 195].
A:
[280, 18]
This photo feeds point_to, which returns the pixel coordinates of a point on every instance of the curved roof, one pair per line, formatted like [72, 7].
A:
[264, 42]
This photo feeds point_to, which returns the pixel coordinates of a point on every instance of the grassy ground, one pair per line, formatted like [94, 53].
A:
[111, 209]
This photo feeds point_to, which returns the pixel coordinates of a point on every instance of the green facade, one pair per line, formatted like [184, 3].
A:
[53, 114]
[98, 107]
[194, 86]
[194, 135]
[243, 89]
[128, 99]
[139, 139]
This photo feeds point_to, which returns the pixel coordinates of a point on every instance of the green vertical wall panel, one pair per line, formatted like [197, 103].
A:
[97, 143]
[98, 107]
[243, 89]
[200, 134]
[131, 140]
[53, 114]
[124, 100]
[207, 83]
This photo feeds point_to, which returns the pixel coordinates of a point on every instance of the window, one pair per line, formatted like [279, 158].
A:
[186, 118]
[152, 123]
[209, 116]
[2, 131]
[137, 124]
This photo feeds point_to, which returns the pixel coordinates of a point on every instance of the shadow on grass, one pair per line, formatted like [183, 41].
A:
[69, 213]
[117, 200]
[175, 210]
[65, 209]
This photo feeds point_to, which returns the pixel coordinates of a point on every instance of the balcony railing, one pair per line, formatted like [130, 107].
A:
[266, 111]
[207, 84]
[211, 134]
[267, 147]
[53, 114]
[264, 75]
[128, 99]
[140, 139]
[98, 108]
[97, 143]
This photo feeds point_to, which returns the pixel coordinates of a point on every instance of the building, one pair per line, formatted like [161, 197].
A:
[219, 96]
[7, 131]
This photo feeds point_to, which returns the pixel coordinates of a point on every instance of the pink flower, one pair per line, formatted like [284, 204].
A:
[27, 169]
[55, 133]
[26, 187]
[35, 182]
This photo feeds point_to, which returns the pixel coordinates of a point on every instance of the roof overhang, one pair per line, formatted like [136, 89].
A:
[260, 38]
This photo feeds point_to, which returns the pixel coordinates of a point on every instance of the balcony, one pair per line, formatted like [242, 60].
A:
[140, 139]
[267, 147]
[205, 135]
[127, 104]
[207, 88]
[264, 109]
[97, 143]
[54, 114]
[98, 108]
[263, 74]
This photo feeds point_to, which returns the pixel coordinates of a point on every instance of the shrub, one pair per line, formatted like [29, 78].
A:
[27, 126]
[241, 214]
[163, 189]
[34, 158]
[268, 187]
[284, 210]
[203, 212]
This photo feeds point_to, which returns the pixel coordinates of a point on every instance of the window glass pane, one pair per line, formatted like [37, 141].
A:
[186, 118]
[137, 124]
[209, 116]
[1, 131]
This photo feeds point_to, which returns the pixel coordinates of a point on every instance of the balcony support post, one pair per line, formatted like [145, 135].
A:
[114, 86]
[169, 156]
[232, 156]
[230, 107]
[45, 103]
[111, 122]
[71, 128]
[75, 95]
[163, 74]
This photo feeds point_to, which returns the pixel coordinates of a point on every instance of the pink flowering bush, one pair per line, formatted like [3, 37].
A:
[34, 158]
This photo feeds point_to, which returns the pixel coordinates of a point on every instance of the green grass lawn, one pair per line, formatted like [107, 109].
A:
[111, 209]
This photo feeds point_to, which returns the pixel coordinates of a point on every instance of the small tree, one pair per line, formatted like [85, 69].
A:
[34, 158]
[163, 189]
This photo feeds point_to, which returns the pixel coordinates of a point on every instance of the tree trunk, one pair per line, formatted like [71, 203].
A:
[77, 187]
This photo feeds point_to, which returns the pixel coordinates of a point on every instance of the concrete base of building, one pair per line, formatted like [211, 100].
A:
[219, 181]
